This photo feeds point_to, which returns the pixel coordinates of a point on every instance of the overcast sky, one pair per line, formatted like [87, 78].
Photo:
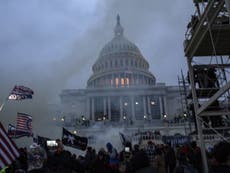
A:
[50, 45]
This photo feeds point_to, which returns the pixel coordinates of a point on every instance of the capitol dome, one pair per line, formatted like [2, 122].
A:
[120, 64]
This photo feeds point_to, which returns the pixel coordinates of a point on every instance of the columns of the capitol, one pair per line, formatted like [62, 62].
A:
[119, 80]
[121, 109]
[113, 79]
[132, 79]
[93, 111]
[148, 105]
[104, 105]
[133, 110]
[161, 107]
[165, 105]
[144, 104]
[88, 108]
[109, 108]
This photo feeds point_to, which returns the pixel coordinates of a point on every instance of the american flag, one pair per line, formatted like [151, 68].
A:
[8, 149]
[24, 123]
[14, 133]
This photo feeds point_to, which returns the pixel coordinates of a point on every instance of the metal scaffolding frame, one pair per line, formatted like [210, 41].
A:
[208, 37]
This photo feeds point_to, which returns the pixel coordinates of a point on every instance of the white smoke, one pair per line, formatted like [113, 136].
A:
[107, 133]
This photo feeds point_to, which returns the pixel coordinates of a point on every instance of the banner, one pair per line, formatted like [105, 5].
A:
[40, 140]
[74, 141]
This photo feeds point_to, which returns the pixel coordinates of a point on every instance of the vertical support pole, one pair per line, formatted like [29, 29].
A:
[133, 108]
[198, 121]
[144, 105]
[93, 111]
[109, 108]
[121, 109]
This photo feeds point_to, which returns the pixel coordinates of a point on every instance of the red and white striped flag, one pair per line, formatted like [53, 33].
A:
[8, 149]
[24, 123]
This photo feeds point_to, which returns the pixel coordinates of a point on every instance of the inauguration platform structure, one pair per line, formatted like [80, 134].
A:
[207, 50]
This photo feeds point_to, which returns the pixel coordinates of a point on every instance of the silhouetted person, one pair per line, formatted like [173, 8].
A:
[170, 159]
[222, 156]
[100, 165]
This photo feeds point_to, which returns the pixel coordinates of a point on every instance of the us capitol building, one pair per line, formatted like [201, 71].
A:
[122, 91]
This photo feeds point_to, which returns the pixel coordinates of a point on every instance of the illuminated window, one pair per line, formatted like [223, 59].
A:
[117, 81]
[122, 81]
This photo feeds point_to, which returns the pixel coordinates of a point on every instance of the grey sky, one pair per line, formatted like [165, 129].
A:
[51, 45]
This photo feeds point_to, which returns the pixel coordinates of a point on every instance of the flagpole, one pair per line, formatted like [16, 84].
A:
[2, 105]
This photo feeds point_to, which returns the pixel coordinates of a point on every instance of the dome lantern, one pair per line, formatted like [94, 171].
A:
[118, 30]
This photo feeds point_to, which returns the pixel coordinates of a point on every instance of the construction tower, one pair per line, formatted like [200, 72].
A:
[207, 50]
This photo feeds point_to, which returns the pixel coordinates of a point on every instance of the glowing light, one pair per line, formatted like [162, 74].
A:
[185, 115]
[12, 97]
[145, 116]
[137, 103]
[62, 119]
[75, 132]
[165, 116]
[117, 81]
[122, 81]
[124, 117]
[125, 103]
[104, 118]
[152, 103]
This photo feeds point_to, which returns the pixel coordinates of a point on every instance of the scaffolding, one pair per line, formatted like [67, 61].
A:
[207, 50]
[184, 89]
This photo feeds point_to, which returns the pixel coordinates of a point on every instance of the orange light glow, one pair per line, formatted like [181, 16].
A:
[122, 81]
[117, 81]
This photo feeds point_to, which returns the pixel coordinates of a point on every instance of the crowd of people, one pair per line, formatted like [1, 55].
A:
[161, 158]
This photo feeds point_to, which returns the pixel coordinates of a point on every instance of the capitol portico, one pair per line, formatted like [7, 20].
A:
[121, 88]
